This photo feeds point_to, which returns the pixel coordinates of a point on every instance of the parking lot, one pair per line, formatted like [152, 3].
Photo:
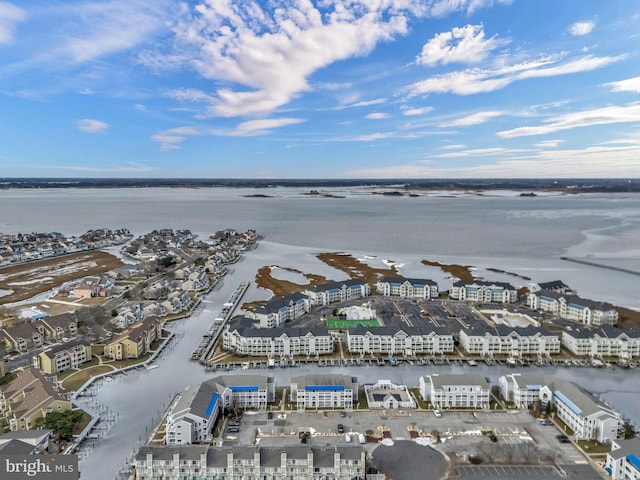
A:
[519, 438]
[523, 448]
[405, 312]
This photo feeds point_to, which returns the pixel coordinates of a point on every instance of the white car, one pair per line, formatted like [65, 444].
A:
[437, 413]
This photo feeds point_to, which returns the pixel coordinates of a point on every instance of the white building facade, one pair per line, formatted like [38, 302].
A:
[585, 415]
[407, 342]
[407, 287]
[573, 308]
[488, 341]
[324, 391]
[623, 461]
[344, 462]
[606, 341]
[483, 292]
[287, 308]
[335, 292]
[456, 391]
[240, 338]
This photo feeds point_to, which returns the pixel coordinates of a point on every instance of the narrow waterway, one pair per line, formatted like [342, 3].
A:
[138, 399]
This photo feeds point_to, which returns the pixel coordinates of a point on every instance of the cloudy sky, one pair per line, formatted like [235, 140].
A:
[320, 88]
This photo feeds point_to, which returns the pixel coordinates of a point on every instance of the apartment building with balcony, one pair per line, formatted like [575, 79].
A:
[407, 288]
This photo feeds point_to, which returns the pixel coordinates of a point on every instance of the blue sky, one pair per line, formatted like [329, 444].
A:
[320, 88]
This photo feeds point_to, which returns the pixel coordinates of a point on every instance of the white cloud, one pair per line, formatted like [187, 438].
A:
[548, 143]
[628, 85]
[364, 103]
[476, 80]
[441, 8]
[479, 152]
[473, 119]
[462, 45]
[89, 125]
[417, 111]
[172, 138]
[190, 95]
[9, 16]
[371, 137]
[376, 116]
[582, 28]
[591, 162]
[599, 116]
[264, 58]
[254, 127]
[101, 28]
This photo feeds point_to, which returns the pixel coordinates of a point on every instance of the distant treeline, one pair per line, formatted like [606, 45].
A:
[567, 185]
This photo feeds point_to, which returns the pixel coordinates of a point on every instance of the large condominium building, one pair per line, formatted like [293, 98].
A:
[250, 463]
[456, 391]
[483, 292]
[276, 312]
[605, 341]
[573, 308]
[192, 416]
[324, 391]
[63, 357]
[486, 340]
[29, 397]
[135, 341]
[407, 287]
[623, 461]
[241, 337]
[334, 292]
[408, 341]
[585, 415]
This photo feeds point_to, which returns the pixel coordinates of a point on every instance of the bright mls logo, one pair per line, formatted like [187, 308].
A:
[38, 467]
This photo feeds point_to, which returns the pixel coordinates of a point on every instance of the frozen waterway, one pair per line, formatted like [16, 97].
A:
[139, 399]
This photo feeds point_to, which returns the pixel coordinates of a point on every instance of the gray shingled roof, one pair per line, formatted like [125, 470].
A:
[274, 306]
[440, 381]
[413, 281]
[353, 282]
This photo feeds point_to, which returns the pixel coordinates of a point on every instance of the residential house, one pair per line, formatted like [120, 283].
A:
[25, 442]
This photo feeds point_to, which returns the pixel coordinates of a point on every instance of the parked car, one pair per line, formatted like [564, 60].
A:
[270, 415]
[437, 413]
[340, 428]
[492, 437]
